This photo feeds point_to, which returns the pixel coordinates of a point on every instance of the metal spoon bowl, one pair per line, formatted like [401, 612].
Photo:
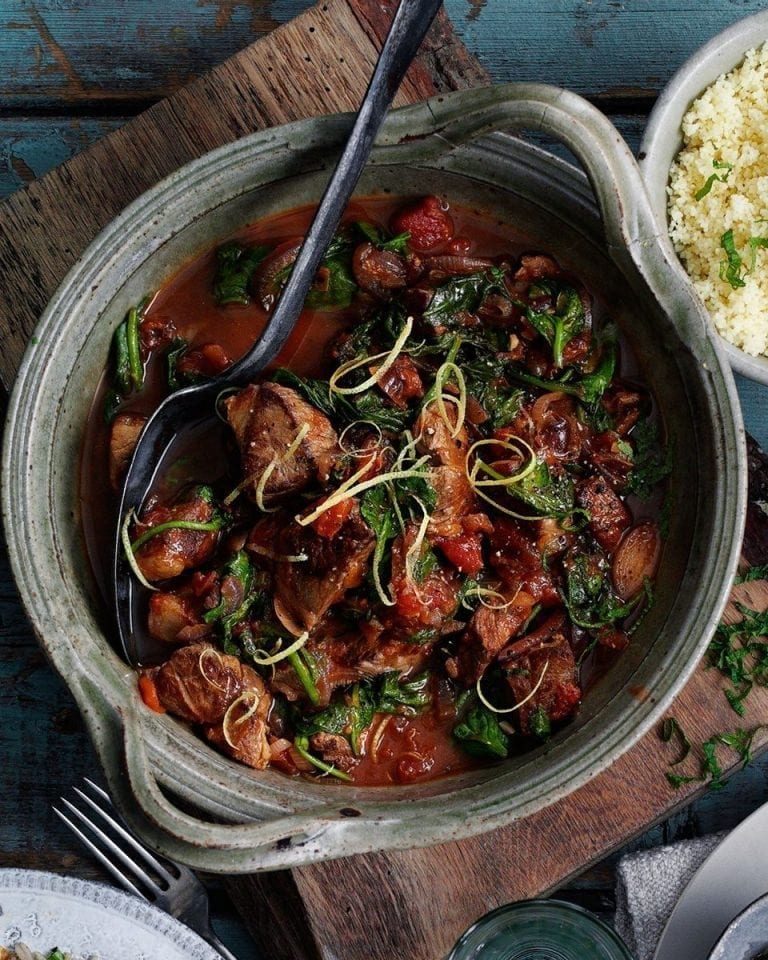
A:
[196, 404]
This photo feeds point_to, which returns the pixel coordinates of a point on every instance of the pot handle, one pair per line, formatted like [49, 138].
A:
[634, 238]
[281, 841]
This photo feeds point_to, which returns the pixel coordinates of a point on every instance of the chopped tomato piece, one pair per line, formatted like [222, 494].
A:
[328, 524]
[149, 694]
[204, 361]
[429, 225]
[464, 552]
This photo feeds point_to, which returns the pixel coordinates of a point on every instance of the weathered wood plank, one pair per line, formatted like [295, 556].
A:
[31, 146]
[57, 53]
[81, 52]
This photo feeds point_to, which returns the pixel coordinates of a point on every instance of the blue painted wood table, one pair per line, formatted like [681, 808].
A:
[74, 70]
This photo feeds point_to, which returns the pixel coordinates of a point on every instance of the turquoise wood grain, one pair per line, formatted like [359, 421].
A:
[599, 47]
[82, 51]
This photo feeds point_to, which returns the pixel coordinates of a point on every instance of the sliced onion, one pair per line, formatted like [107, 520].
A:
[490, 706]
[345, 491]
[128, 551]
[205, 653]
[263, 659]
[388, 357]
[444, 371]
[227, 723]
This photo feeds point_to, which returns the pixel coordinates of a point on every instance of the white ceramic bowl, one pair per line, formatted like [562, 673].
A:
[663, 135]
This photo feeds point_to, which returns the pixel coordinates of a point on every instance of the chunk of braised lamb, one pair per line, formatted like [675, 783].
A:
[304, 591]
[175, 617]
[489, 631]
[624, 406]
[523, 663]
[532, 267]
[552, 539]
[123, 437]
[608, 454]
[454, 499]
[198, 683]
[514, 554]
[378, 272]
[402, 382]
[434, 437]
[156, 331]
[171, 552]
[334, 749]
[371, 652]
[608, 517]
[246, 736]
[266, 420]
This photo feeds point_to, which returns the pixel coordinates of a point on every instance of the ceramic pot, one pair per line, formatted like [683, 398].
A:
[189, 801]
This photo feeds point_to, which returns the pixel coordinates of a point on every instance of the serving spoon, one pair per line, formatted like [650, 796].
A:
[196, 403]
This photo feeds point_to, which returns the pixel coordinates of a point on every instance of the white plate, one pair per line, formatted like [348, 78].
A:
[733, 876]
[45, 910]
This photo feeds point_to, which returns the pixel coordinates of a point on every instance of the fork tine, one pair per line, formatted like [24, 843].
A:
[121, 878]
[115, 825]
[138, 872]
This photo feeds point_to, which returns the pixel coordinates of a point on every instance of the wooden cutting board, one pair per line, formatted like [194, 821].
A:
[410, 904]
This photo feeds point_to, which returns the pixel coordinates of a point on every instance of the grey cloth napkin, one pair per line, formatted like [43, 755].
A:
[649, 884]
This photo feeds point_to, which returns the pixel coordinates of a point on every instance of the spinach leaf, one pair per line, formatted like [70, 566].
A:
[549, 496]
[235, 266]
[174, 353]
[501, 403]
[347, 717]
[335, 287]
[651, 461]
[560, 323]
[479, 733]
[589, 595]
[403, 697]
[366, 406]
[539, 723]
[127, 364]
[588, 388]
[379, 238]
[240, 569]
[462, 294]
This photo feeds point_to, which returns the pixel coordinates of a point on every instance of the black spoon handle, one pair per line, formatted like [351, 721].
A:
[408, 28]
[409, 25]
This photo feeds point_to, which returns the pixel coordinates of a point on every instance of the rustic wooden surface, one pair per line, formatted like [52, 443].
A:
[75, 71]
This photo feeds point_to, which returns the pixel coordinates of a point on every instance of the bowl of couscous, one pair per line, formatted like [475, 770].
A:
[704, 158]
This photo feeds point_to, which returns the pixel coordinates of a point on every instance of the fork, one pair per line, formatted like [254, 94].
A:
[164, 883]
